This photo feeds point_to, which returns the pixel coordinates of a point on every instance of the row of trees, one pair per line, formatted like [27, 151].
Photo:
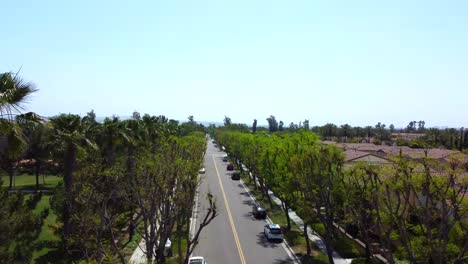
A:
[412, 211]
[120, 178]
[450, 138]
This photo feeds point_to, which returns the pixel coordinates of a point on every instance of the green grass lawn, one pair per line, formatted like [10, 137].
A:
[47, 240]
[294, 237]
[26, 181]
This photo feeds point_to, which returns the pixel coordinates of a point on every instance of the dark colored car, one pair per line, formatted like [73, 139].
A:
[259, 212]
[230, 167]
[225, 158]
[235, 175]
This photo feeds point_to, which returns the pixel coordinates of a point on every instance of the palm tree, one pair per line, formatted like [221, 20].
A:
[69, 132]
[113, 134]
[14, 93]
[346, 130]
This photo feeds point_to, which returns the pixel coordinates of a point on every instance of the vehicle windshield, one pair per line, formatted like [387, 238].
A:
[275, 231]
[196, 261]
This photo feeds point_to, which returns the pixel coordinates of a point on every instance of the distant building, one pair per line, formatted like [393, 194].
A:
[354, 156]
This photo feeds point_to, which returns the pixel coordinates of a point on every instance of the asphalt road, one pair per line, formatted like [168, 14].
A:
[234, 236]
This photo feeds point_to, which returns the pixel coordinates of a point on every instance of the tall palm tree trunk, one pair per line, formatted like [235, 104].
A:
[69, 164]
[38, 168]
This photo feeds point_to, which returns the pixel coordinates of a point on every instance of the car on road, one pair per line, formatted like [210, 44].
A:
[202, 171]
[225, 158]
[197, 260]
[259, 212]
[235, 175]
[273, 232]
[230, 167]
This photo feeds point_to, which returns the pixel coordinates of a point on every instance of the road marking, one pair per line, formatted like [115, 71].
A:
[233, 227]
[193, 220]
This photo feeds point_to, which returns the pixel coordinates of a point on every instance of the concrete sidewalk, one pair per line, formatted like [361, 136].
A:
[138, 256]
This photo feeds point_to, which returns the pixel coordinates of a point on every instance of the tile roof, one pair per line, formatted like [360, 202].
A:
[351, 154]
[395, 150]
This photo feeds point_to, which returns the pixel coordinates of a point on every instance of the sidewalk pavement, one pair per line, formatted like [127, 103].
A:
[138, 256]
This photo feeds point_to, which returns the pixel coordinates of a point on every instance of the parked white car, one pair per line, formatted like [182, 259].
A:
[197, 260]
[273, 232]
[202, 171]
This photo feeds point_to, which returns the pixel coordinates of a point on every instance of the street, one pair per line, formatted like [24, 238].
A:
[234, 236]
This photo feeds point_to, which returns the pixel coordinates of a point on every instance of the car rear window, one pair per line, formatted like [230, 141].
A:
[196, 261]
[275, 231]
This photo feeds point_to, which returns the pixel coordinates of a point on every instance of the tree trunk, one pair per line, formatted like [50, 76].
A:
[364, 227]
[15, 173]
[286, 211]
[179, 239]
[38, 167]
[262, 189]
[306, 237]
[69, 164]
[255, 179]
[10, 173]
[329, 245]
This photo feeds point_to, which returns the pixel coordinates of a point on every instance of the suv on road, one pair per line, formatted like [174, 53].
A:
[197, 260]
[230, 167]
[273, 232]
[259, 212]
[235, 175]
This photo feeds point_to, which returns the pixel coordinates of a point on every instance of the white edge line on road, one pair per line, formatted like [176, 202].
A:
[193, 219]
[285, 244]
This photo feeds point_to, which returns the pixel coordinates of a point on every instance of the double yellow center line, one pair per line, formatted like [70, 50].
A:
[233, 227]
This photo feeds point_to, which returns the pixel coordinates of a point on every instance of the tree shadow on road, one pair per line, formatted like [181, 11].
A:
[249, 202]
[263, 241]
[246, 194]
[282, 261]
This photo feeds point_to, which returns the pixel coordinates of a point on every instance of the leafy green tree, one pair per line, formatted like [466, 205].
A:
[272, 124]
[90, 117]
[359, 202]
[293, 127]
[306, 124]
[136, 115]
[392, 128]
[227, 121]
[321, 176]
[281, 126]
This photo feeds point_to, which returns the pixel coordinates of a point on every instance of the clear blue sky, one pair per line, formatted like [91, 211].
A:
[333, 61]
